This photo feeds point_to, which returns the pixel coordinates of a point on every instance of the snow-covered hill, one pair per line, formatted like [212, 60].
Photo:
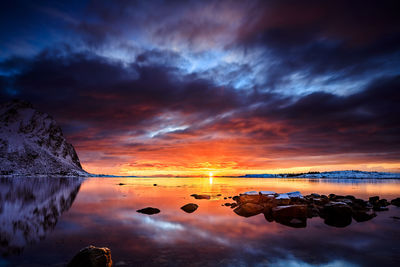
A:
[32, 144]
[333, 174]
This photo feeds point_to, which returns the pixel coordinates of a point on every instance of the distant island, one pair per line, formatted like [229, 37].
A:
[333, 174]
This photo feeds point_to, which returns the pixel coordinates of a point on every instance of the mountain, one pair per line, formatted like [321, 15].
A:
[333, 174]
[31, 144]
[30, 208]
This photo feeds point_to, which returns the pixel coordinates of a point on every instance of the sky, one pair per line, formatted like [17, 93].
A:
[228, 87]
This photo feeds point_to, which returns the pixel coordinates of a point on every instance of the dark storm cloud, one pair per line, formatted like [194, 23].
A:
[284, 77]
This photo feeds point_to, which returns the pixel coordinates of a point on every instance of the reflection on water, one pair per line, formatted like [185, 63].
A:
[29, 208]
[104, 214]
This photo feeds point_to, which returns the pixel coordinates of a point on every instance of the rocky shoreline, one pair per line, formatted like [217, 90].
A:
[293, 209]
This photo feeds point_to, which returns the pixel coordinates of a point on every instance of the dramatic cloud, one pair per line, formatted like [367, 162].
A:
[155, 87]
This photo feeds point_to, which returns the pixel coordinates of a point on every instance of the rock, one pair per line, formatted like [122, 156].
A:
[337, 214]
[396, 202]
[293, 216]
[380, 208]
[227, 204]
[189, 208]
[196, 196]
[395, 217]
[233, 205]
[154, 184]
[225, 198]
[251, 193]
[314, 195]
[249, 209]
[363, 215]
[121, 184]
[255, 199]
[373, 200]
[350, 197]
[92, 256]
[267, 193]
[282, 199]
[149, 211]
[383, 202]
[295, 194]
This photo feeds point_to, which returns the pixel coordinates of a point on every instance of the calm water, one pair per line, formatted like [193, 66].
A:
[44, 222]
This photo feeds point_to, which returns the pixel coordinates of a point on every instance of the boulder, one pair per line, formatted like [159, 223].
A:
[293, 216]
[337, 214]
[244, 198]
[92, 256]
[396, 202]
[282, 200]
[196, 196]
[249, 209]
[373, 199]
[363, 215]
[149, 211]
[189, 208]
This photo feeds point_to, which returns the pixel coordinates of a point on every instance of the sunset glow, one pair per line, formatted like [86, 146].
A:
[147, 88]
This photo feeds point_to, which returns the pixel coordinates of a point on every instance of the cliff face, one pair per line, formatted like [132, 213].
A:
[31, 143]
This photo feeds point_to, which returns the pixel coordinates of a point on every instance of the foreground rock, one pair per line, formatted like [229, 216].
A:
[92, 256]
[293, 209]
[149, 211]
[189, 208]
[32, 143]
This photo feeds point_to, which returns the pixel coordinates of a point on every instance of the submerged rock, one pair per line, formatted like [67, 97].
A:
[196, 196]
[92, 256]
[396, 202]
[149, 211]
[293, 216]
[249, 209]
[337, 214]
[363, 215]
[189, 208]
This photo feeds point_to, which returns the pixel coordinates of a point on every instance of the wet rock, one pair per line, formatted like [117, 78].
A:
[225, 198]
[363, 215]
[227, 204]
[380, 208]
[314, 195]
[396, 202]
[149, 211]
[373, 200]
[282, 200]
[337, 214]
[92, 256]
[350, 197]
[196, 196]
[383, 202]
[233, 205]
[189, 208]
[245, 198]
[154, 184]
[121, 184]
[249, 209]
[293, 216]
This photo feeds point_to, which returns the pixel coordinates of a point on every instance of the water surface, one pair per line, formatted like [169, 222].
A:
[45, 221]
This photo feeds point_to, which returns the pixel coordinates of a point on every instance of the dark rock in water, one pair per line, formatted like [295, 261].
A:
[196, 196]
[227, 204]
[32, 143]
[121, 184]
[293, 216]
[249, 209]
[380, 208]
[349, 197]
[337, 214]
[395, 217]
[225, 198]
[154, 184]
[233, 205]
[149, 211]
[363, 215]
[189, 208]
[383, 202]
[315, 195]
[373, 200]
[396, 202]
[92, 257]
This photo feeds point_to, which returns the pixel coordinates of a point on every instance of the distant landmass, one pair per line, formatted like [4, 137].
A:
[32, 144]
[333, 174]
